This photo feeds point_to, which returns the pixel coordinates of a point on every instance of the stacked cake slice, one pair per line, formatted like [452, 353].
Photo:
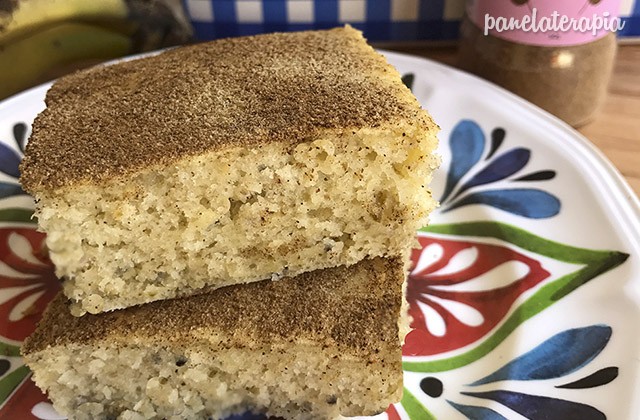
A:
[316, 346]
[263, 192]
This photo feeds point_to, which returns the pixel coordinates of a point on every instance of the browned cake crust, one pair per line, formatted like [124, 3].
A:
[285, 87]
[354, 308]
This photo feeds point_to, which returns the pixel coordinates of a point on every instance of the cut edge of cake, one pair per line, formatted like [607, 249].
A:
[163, 234]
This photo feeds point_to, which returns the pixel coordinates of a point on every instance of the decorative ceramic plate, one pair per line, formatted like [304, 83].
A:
[525, 295]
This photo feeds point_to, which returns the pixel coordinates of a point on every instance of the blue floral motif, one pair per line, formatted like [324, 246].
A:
[475, 412]
[408, 79]
[599, 378]
[549, 360]
[8, 190]
[527, 202]
[536, 407]
[467, 143]
[10, 161]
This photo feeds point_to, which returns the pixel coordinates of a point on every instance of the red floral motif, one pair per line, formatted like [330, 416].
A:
[21, 403]
[27, 281]
[458, 291]
[392, 413]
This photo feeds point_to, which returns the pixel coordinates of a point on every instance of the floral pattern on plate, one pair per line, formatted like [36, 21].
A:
[468, 146]
[477, 294]
[547, 362]
[10, 160]
[476, 289]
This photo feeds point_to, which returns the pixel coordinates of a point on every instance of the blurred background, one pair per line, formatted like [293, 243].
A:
[381, 20]
[42, 39]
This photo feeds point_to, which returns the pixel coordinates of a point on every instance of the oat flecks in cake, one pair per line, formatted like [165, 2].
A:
[353, 308]
[226, 163]
[319, 346]
[285, 87]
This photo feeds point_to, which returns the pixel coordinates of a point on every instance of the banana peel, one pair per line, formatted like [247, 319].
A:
[19, 18]
[27, 61]
[43, 39]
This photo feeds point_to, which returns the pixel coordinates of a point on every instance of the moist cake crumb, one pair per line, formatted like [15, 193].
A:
[225, 163]
[315, 346]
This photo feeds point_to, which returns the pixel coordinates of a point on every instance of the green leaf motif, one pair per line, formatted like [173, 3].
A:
[414, 408]
[595, 262]
[9, 383]
[9, 350]
[17, 215]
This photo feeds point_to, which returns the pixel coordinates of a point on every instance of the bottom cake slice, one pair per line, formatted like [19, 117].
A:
[317, 346]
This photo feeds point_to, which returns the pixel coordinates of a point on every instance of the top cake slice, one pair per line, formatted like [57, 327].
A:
[227, 162]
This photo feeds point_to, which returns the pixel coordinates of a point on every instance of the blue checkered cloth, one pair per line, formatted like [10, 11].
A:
[380, 20]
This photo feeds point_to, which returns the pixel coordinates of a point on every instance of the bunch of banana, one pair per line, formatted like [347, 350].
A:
[43, 39]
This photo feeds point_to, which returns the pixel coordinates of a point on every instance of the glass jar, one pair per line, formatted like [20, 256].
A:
[567, 75]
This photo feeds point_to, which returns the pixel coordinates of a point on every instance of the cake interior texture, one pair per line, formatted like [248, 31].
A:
[268, 212]
[321, 345]
[228, 162]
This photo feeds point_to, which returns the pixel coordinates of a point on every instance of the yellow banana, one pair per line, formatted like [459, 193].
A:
[24, 61]
[20, 17]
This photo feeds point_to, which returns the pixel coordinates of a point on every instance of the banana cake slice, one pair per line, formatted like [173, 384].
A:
[323, 344]
[227, 162]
